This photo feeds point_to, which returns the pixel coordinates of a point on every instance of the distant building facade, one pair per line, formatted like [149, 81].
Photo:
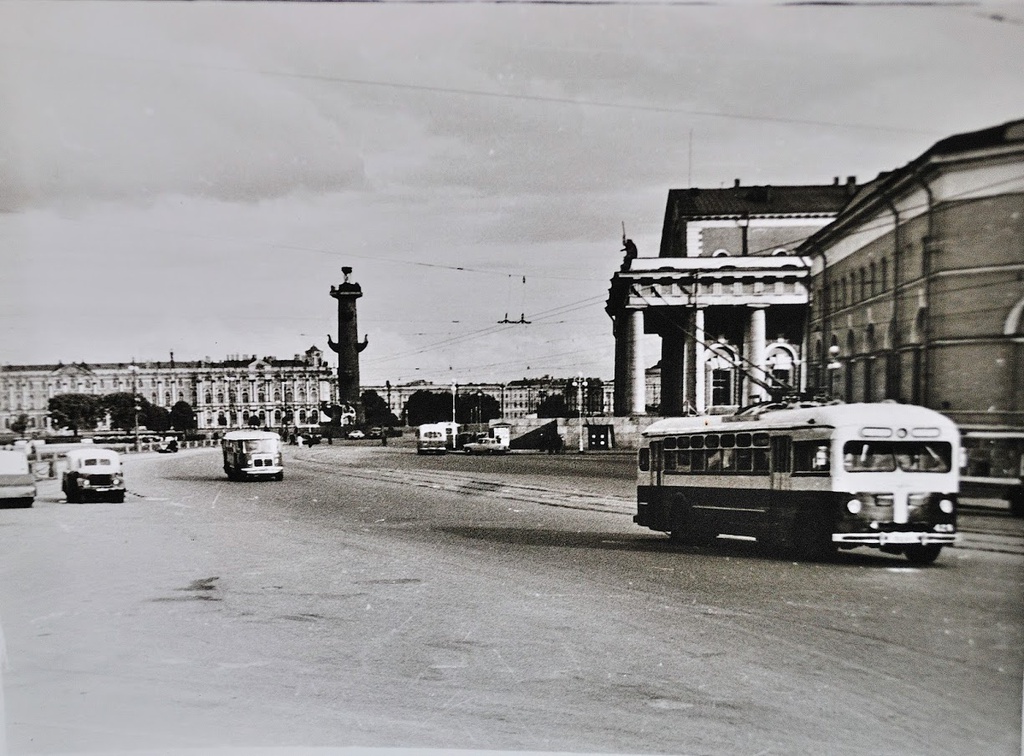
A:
[234, 393]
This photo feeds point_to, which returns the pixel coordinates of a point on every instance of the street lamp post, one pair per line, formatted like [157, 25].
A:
[581, 384]
[135, 400]
[455, 388]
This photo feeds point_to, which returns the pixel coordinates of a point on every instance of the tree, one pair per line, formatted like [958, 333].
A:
[76, 411]
[476, 407]
[376, 410]
[183, 418]
[155, 418]
[553, 405]
[121, 408]
[428, 407]
[20, 425]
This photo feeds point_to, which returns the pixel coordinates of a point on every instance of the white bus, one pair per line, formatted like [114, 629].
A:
[805, 478]
[252, 454]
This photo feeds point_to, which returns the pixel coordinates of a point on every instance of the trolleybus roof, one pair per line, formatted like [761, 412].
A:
[883, 415]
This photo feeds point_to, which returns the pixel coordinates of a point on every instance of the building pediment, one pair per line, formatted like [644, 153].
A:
[72, 370]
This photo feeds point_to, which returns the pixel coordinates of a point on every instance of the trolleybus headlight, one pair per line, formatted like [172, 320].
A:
[946, 506]
[853, 506]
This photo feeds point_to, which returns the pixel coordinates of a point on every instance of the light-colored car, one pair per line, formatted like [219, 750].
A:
[93, 473]
[17, 484]
[356, 434]
[485, 446]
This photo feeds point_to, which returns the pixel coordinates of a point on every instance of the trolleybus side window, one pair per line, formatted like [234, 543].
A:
[811, 457]
[644, 460]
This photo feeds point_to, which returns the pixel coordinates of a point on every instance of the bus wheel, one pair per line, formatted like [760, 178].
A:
[923, 554]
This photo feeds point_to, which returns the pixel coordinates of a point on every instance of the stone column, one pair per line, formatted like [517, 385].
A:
[756, 341]
[636, 387]
[619, 406]
[700, 399]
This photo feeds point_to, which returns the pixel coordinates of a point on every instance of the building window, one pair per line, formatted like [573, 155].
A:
[885, 274]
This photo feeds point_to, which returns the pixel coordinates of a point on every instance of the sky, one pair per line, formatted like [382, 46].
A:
[191, 177]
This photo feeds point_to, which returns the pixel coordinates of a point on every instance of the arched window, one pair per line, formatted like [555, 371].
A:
[245, 397]
[302, 417]
[220, 397]
[167, 398]
[209, 398]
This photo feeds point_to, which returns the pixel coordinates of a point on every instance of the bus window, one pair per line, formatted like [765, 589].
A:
[744, 460]
[715, 460]
[742, 439]
[728, 459]
[683, 460]
[644, 460]
[761, 439]
[697, 461]
[670, 459]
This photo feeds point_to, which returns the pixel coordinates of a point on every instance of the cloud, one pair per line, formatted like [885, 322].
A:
[104, 118]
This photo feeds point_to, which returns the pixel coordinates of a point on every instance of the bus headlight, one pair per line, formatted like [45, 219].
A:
[946, 506]
[853, 506]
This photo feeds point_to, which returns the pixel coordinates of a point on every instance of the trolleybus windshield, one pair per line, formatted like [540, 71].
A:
[887, 456]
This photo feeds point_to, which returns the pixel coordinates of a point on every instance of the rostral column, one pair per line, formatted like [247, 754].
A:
[348, 346]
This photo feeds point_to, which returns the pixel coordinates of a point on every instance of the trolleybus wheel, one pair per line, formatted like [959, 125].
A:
[923, 553]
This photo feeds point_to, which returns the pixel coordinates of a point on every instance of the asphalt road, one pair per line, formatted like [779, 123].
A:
[376, 598]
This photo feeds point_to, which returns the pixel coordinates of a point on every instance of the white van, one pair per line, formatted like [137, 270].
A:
[93, 473]
[17, 484]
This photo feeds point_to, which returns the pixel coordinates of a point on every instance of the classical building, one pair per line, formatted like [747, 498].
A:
[727, 294]
[234, 393]
[917, 290]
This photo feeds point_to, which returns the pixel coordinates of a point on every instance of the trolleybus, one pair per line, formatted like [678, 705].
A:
[807, 479]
